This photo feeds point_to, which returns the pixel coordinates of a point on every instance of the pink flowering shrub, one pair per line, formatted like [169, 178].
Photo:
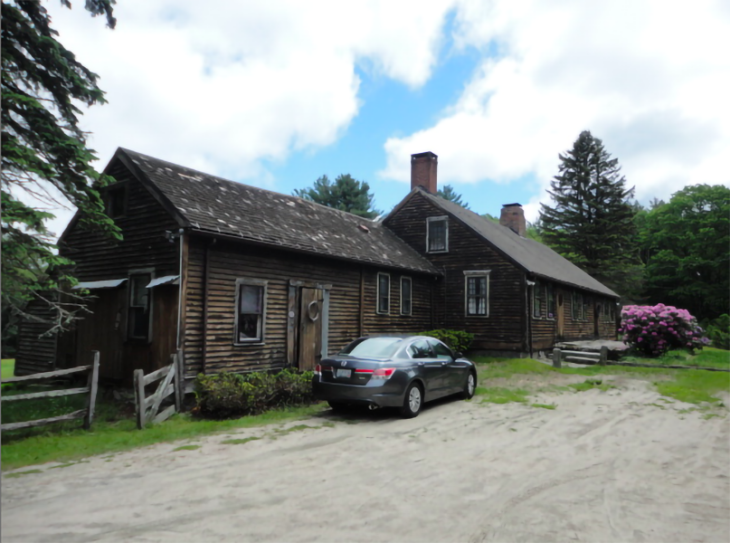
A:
[654, 330]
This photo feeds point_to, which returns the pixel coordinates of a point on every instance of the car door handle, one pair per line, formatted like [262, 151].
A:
[444, 363]
[420, 363]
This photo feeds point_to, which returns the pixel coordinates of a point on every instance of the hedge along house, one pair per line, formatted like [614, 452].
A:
[240, 279]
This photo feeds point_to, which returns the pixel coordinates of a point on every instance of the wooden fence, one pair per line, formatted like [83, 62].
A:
[90, 389]
[171, 382]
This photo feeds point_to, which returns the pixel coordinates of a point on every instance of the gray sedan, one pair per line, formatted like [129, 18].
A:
[401, 372]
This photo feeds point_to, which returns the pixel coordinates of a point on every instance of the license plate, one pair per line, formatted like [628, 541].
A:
[345, 374]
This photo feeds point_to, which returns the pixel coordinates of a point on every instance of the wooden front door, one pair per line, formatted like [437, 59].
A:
[560, 328]
[310, 328]
[596, 320]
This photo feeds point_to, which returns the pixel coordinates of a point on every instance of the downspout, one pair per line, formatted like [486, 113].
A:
[528, 313]
[181, 233]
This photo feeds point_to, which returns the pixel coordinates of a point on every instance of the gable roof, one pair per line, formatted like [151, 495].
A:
[213, 205]
[529, 254]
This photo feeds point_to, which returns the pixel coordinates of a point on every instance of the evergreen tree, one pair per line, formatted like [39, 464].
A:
[43, 146]
[591, 222]
[448, 193]
[346, 194]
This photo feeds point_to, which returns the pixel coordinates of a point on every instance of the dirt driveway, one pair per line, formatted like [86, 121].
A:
[618, 465]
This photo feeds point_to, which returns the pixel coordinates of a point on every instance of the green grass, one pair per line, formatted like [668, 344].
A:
[695, 386]
[502, 395]
[8, 368]
[544, 405]
[53, 444]
[590, 384]
[239, 441]
[708, 357]
[187, 448]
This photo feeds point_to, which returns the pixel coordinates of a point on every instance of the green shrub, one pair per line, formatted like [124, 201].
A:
[719, 332]
[458, 340]
[294, 388]
[231, 395]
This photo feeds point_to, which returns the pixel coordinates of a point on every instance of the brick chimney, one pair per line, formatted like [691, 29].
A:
[513, 217]
[423, 171]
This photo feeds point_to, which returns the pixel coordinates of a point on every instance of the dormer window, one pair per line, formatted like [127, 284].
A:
[437, 235]
[116, 202]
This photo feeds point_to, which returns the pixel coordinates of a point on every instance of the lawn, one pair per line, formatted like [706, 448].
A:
[8, 368]
[114, 428]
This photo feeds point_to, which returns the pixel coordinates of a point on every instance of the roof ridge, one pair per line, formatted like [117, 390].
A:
[230, 181]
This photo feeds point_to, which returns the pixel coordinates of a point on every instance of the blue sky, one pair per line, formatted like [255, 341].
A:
[278, 93]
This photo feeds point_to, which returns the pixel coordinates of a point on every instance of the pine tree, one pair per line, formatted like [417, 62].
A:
[591, 222]
[42, 146]
[448, 193]
[346, 194]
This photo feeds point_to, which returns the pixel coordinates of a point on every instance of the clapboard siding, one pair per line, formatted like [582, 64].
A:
[36, 353]
[504, 327]
[420, 318]
[144, 243]
[213, 269]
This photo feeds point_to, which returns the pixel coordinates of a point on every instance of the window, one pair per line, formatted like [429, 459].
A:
[420, 349]
[437, 235]
[116, 202]
[477, 293]
[442, 351]
[250, 311]
[550, 294]
[406, 289]
[383, 295]
[577, 307]
[138, 323]
[538, 295]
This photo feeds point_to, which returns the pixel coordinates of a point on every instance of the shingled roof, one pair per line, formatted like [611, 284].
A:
[210, 204]
[531, 255]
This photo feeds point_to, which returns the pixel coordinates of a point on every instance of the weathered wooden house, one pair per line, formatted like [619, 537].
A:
[239, 278]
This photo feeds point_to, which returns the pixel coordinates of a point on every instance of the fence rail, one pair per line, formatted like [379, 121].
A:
[90, 389]
[171, 382]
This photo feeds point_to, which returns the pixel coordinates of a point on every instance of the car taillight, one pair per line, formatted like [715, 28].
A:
[383, 373]
[318, 369]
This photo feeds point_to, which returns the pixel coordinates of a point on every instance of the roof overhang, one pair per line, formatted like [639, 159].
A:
[166, 280]
[96, 285]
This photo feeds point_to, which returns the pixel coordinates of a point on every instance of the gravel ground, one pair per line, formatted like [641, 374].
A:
[618, 465]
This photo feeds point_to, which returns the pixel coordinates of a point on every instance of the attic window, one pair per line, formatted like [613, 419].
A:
[437, 235]
[116, 202]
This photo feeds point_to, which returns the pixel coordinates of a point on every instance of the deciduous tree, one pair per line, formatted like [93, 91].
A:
[686, 243]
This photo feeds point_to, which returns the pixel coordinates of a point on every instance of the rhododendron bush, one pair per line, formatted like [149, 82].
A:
[654, 330]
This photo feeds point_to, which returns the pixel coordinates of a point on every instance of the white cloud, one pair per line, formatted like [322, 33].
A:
[220, 85]
[649, 78]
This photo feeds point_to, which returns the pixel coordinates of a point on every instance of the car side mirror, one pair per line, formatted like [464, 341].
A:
[459, 355]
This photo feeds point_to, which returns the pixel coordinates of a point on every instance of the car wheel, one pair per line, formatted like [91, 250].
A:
[470, 386]
[413, 401]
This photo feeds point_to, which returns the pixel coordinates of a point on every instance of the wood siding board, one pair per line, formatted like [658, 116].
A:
[467, 251]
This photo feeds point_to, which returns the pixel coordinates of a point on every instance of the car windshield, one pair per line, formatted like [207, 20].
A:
[374, 347]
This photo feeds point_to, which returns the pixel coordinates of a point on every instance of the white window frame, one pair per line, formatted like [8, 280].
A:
[377, 294]
[471, 274]
[429, 220]
[410, 301]
[150, 303]
[241, 281]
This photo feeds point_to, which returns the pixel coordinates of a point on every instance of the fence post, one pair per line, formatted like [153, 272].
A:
[556, 358]
[139, 397]
[93, 382]
[178, 394]
[604, 356]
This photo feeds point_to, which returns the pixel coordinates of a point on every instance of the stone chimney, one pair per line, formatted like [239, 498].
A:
[423, 171]
[513, 217]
